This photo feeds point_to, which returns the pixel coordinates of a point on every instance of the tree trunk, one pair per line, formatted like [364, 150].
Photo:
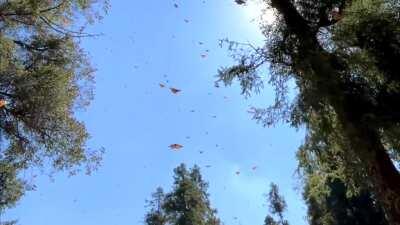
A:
[385, 178]
[363, 140]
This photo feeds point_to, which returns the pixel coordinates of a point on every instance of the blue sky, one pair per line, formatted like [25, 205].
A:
[147, 43]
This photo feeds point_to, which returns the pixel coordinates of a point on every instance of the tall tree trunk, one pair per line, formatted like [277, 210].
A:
[364, 141]
[385, 178]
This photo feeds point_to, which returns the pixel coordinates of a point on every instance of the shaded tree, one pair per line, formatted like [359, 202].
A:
[156, 215]
[342, 57]
[331, 200]
[44, 77]
[186, 204]
[277, 207]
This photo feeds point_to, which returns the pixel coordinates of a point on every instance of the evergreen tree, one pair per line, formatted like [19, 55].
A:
[343, 57]
[157, 215]
[186, 204]
[330, 199]
[44, 77]
[277, 207]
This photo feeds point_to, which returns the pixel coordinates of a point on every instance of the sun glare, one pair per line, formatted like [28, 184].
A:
[256, 11]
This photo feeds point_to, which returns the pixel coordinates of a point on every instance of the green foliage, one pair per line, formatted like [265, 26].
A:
[336, 207]
[44, 77]
[331, 196]
[186, 204]
[157, 215]
[11, 187]
[277, 207]
[342, 56]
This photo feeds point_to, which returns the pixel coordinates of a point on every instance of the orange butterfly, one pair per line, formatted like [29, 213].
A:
[174, 90]
[176, 146]
[3, 103]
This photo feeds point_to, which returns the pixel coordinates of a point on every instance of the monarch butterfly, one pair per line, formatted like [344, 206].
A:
[174, 90]
[3, 103]
[240, 2]
[161, 85]
[176, 146]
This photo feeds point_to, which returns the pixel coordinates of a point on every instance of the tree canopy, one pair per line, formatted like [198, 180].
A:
[186, 204]
[277, 207]
[44, 77]
[342, 57]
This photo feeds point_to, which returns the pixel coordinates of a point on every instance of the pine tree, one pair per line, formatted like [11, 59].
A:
[157, 215]
[44, 77]
[186, 204]
[277, 207]
[342, 56]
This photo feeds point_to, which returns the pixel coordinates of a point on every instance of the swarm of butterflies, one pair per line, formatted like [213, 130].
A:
[175, 91]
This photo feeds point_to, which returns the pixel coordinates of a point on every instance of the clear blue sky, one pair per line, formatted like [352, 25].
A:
[147, 43]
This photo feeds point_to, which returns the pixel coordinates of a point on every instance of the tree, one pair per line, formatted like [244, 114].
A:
[335, 207]
[44, 77]
[342, 57]
[329, 198]
[157, 215]
[277, 207]
[186, 204]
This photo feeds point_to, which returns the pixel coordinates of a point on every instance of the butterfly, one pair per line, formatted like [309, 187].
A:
[174, 90]
[254, 168]
[161, 85]
[176, 5]
[186, 20]
[176, 146]
[3, 103]
[240, 2]
[208, 166]
[203, 56]
[237, 172]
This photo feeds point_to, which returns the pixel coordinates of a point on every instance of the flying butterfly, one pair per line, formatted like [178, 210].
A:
[175, 146]
[3, 103]
[174, 90]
